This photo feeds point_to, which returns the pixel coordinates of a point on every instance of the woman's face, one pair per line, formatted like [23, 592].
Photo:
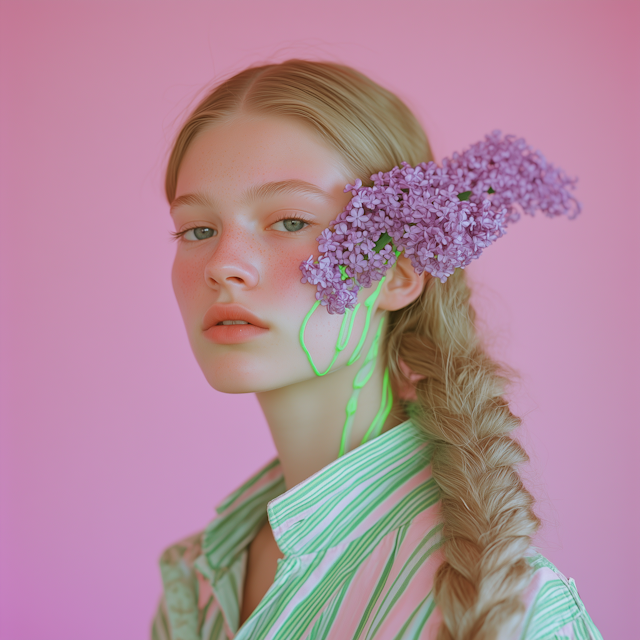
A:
[253, 194]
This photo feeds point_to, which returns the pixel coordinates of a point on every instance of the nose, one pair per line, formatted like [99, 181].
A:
[231, 266]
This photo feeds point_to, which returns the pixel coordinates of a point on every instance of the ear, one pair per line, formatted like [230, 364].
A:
[401, 286]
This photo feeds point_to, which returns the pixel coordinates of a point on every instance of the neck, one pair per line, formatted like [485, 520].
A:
[306, 419]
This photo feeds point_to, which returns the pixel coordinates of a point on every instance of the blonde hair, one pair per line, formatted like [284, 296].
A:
[486, 511]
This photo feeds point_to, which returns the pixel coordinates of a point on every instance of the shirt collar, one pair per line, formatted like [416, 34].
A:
[377, 487]
[226, 538]
[354, 493]
[335, 505]
[239, 518]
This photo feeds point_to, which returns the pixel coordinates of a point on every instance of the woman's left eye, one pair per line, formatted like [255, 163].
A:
[291, 224]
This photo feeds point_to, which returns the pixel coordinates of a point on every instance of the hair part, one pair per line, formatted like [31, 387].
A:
[369, 126]
[486, 511]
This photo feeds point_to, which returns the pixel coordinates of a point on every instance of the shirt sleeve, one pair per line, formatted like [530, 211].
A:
[160, 629]
[555, 609]
[178, 614]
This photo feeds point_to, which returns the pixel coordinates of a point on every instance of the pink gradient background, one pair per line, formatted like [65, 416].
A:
[112, 443]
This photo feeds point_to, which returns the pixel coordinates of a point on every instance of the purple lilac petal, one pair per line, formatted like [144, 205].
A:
[419, 208]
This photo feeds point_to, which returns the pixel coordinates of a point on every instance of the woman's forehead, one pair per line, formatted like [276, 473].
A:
[257, 192]
[246, 153]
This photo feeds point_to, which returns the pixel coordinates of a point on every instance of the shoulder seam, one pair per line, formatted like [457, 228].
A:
[187, 549]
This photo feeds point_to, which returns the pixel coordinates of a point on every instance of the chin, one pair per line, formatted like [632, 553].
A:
[228, 384]
[247, 372]
[229, 377]
[249, 381]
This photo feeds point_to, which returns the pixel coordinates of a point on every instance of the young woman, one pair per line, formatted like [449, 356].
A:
[394, 509]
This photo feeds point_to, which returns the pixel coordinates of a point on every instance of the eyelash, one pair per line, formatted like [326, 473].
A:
[294, 217]
[176, 235]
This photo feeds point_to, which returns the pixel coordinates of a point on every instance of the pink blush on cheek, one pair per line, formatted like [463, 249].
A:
[187, 278]
[285, 274]
[293, 300]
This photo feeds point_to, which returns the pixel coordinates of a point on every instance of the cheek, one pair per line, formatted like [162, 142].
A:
[284, 275]
[186, 278]
[294, 300]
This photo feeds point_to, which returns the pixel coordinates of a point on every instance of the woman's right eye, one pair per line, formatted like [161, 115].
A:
[199, 233]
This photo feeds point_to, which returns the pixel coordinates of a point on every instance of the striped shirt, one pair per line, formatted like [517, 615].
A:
[361, 543]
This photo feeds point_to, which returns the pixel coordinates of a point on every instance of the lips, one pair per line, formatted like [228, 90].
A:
[240, 324]
[218, 313]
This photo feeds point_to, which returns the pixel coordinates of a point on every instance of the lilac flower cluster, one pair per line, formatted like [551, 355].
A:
[442, 217]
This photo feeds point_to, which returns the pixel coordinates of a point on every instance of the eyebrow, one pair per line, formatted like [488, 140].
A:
[266, 190]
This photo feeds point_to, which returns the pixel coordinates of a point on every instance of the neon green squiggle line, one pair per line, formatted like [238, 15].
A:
[366, 371]
[386, 404]
[346, 329]
[342, 342]
[362, 377]
[368, 303]
[347, 323]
